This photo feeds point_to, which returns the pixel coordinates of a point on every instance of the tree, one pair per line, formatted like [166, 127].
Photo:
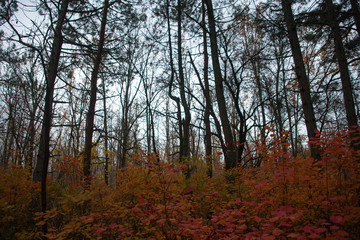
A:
[206, 91]
[230, 153]
[7, 10]
[303, 81]
[356, 14]
[184, 143]
[42, 163]
[21, 92]
[342, 62]
[91, 112]
[182, 102]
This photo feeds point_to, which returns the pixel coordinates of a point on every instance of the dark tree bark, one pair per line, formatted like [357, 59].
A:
[42, 164]
[124, 141]
[91, 112]
[172, 78]
[343, 65]
[106, 138]
[150, 126]
[207, 139]
[184, 146]
[30, 148]
[303, 81]
[9, 139]
[356, 14]
[230, 153]
[351, 117]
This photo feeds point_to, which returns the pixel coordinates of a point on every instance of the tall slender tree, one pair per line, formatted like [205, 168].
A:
[42, 163]
[230, 153]
[91, 112]
[206, 90]
[185, 143]
[302, 79]
[347, 90]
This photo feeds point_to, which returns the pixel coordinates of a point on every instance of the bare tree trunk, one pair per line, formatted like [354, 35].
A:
[153, 134]
[106, 167]
[255, 62]
[230, 153]
[288, 112]
[42, 163]
[91, 112]
[303, 81]
[172, 76]
[30, 140]
[356, 14]
[343, 65]
[167, 130]
[9, 139]
[184, 147]
[207, 139]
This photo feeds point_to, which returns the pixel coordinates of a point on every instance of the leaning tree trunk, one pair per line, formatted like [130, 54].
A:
[42, 163]
[343, 65]
[351, 117]
[303, 81]
[356, 14]
[230, 153]
[91, 113]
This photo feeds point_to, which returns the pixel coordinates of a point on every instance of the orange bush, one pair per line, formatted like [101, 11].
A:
[17, 200]
[285, 197]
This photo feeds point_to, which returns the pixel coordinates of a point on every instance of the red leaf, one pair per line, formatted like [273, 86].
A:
[242, 227]
[287, 209]
[314, 236]
[337, 219]
[141, 200]
[113, 226]
[334, 227]
[267, 237]
[293, 235]
[189, 190]
[161, 221]
[336, 198]
[257, 219]
[277, 232]
[320, 230]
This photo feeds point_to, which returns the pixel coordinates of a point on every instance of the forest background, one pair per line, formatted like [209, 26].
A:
[182, 119]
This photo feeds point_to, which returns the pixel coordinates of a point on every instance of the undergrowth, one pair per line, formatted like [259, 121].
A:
[286, 197]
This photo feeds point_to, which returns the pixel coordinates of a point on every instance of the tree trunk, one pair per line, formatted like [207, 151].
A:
[230, 153]
[172, 76]
[207, 139]
[184, 147]
[91, 112]
[351, 117]
[153, 134]
[106, 139]
[9, 139]
[356, 14]
[30, 140]
[42, 163]
[303, 81]
[343, 65]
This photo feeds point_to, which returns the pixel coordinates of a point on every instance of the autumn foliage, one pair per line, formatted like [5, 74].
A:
[286, 197]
